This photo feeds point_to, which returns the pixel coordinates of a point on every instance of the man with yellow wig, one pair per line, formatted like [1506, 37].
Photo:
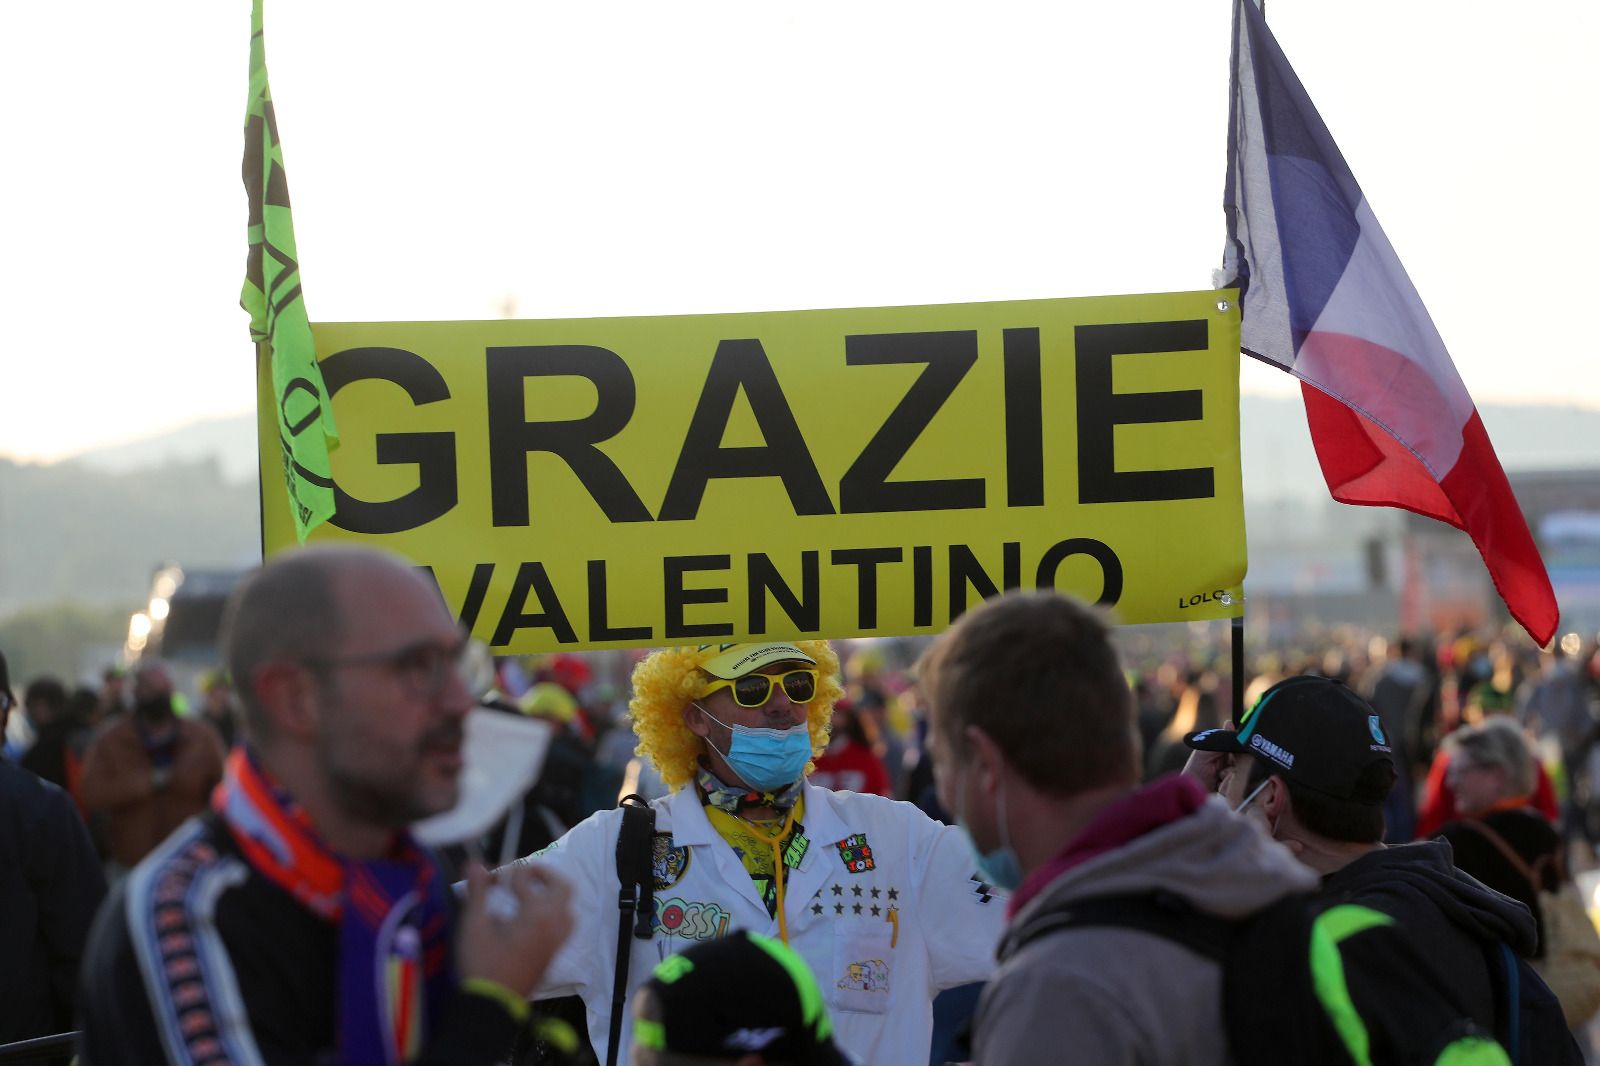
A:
[883, 903]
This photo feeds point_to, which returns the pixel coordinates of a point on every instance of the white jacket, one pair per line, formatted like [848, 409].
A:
[912, 918]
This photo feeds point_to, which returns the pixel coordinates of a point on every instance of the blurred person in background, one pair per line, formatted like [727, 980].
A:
[1439, 806]
[217, 708]
[115, 695]
[50, 885]
[851, 762]
[148, 770]
[1491, 771]
[44, 701]
[1197, 709]
[1399, 691]
[1561, 704]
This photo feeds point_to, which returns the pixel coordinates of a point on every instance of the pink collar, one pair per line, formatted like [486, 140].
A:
[1159, 803]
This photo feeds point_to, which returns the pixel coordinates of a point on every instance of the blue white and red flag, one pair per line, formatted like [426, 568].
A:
[1325, 298]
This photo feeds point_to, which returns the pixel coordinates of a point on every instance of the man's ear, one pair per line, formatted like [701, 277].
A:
[288, 694]
[1274, 801]
[695, 720]
[987, 759]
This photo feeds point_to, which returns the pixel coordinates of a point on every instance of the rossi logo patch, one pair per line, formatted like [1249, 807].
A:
[668, 863]
[856, 853]
[691, 919]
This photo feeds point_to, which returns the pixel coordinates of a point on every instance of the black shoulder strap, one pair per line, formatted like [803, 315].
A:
[1158, 913]
[635, 901]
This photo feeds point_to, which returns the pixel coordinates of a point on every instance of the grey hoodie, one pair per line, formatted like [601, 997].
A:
[1105, 996]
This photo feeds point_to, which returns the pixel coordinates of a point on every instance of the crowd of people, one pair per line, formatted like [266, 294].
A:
[1101, 860]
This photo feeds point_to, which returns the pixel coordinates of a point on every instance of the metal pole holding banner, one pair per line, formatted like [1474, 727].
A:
[1236, 630]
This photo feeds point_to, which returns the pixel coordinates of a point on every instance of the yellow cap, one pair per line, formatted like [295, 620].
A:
[549, 700]
[730, 661]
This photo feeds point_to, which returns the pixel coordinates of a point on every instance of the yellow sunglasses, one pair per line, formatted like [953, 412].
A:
[754, 690]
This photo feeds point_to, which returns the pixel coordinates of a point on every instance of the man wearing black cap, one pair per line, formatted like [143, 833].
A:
[743, 1000]
[1312, 765]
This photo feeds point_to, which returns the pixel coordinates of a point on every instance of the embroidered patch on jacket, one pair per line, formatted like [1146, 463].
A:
[856, 853]
[667, 863]
[869, 975]
[691, 919]
[981, 888]
[799, 844]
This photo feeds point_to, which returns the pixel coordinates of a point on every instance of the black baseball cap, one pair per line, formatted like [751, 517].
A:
[1315, 732]
[738, 995]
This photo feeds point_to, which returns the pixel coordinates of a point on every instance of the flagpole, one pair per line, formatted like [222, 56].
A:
[1236, 631]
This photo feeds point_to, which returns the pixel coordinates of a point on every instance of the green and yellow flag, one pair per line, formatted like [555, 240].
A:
[278, 322]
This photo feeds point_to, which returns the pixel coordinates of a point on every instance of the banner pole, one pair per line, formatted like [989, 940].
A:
[1236, 629]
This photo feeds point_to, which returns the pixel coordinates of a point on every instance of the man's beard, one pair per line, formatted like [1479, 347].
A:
[395, 800]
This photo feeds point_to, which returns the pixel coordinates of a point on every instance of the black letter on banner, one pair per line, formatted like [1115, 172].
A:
[964, 567]
[865, 487]
[805, 610]
[922, 585]
[433, 453]
[743, 365]
[1024, 420]
[866, 561]
[676, 597]
[1110, 566]
[512, 437]
[531, 577]
[598, 627]
[1100, 411]
[477, 589]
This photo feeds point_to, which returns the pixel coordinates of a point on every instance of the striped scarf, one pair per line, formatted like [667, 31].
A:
[392, 915]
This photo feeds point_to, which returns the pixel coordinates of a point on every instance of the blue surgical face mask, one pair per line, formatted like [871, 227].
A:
[999, 867]
[765, 759]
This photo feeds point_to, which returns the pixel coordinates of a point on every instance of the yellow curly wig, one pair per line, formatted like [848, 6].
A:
[666, 681]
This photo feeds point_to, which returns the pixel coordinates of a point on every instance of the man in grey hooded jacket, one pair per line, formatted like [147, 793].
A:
[1036, 752]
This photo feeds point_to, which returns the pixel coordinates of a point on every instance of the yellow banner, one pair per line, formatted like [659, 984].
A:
[621, 482]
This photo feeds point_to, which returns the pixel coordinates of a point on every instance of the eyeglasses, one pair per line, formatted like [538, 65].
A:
[754, 690]
[423, 667]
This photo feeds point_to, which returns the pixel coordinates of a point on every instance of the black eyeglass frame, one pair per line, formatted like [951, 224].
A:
[424, 666]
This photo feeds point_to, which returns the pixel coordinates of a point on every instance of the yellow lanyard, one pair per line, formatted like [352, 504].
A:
[772, 840]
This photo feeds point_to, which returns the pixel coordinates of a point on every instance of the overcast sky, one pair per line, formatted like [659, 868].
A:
[603, 158]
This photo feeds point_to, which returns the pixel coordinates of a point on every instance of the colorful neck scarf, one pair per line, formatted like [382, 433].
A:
[737, 800]
[394, 947]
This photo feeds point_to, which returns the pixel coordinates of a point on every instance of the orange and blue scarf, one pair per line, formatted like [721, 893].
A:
[392, 914]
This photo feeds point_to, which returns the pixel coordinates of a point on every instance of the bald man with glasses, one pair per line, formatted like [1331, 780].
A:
[298, 921]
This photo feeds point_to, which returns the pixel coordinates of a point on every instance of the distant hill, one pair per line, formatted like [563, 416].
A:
[92, 528]
[69, 532]
[229, 439]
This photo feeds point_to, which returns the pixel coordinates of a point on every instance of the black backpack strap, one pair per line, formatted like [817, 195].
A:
[635, 901]
[1158, 913]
